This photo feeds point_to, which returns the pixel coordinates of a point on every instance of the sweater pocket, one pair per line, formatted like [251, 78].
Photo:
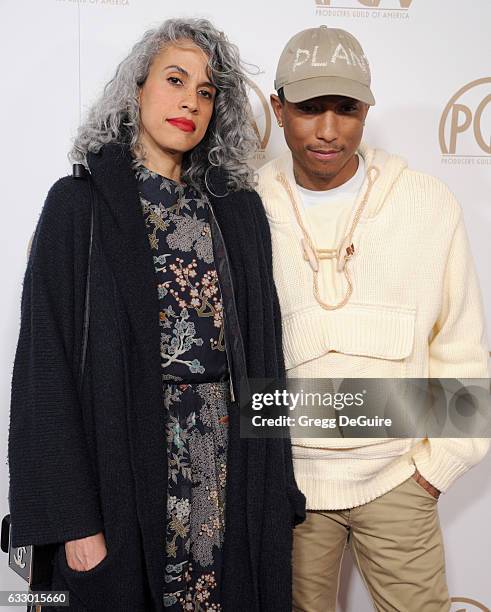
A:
[360, 340]
[95, 589]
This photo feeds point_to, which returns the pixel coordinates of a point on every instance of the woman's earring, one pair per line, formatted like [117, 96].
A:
[279, 123]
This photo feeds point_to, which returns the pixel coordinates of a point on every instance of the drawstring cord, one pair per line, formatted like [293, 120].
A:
[346, 248]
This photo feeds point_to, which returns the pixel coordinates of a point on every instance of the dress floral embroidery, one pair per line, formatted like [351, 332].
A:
[195, 389]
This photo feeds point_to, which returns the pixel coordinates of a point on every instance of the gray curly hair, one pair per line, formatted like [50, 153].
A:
[230, 139]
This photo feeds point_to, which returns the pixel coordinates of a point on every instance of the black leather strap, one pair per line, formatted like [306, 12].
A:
[80, 172]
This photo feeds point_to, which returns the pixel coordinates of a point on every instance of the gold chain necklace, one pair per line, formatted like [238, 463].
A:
[346, 248]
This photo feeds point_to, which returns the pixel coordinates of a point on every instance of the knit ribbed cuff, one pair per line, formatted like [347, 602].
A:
[436, 463]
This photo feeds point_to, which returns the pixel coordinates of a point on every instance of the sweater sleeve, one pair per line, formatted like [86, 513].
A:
[53, 496]
[458, 349]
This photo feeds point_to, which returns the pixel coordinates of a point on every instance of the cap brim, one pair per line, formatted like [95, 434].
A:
[327, 86]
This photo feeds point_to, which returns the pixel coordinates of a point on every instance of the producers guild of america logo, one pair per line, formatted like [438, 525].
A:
[465, 125]
[364, 9]
[464, 604]
[98, 2]
[262, 118]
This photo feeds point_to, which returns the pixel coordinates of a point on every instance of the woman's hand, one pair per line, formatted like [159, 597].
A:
[86, 553]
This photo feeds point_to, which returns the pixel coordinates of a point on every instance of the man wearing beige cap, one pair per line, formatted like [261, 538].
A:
[375, 279]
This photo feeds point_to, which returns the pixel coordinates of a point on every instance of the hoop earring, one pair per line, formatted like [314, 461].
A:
[216, 195]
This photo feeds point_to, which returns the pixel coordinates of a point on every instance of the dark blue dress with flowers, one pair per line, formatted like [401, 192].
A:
[195, 389]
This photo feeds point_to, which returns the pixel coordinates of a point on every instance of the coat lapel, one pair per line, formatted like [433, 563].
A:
[124, 242]
[228, 211]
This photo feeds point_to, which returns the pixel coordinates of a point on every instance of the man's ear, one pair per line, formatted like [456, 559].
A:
[277, 107]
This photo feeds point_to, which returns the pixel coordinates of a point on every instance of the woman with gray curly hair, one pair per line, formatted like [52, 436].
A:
[148, 298]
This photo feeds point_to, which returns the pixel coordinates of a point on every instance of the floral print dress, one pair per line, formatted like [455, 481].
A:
[196, 392]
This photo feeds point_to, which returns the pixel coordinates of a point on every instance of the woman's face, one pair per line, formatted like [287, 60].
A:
[176, 100]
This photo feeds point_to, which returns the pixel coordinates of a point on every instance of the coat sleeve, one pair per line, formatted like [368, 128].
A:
[296, 497]
[53, 496]
[458, 349]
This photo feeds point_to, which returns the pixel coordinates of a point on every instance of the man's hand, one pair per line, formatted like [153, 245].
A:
[426, 485]
[86, 553]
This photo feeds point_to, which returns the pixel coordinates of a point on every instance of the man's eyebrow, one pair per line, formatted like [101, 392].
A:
[181, 70]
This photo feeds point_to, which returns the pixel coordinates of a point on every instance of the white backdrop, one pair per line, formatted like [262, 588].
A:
[430, 62]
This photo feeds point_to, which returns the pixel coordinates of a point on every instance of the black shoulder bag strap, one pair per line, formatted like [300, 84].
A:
[80, 172]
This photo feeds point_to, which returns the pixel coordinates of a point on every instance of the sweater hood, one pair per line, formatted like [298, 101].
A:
[382, 170]
[389, 169]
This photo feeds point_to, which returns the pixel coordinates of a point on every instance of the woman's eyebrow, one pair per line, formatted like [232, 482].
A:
[178, 69]
[184, 72]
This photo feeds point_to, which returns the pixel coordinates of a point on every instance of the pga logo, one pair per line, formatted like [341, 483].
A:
[261, 115]
[464, 604]
[465, 124]
[405, 4]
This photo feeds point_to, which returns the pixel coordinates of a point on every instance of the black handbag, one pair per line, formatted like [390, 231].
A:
[34, 563]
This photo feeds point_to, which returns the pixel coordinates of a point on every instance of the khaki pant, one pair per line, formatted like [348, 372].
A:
[396, 544]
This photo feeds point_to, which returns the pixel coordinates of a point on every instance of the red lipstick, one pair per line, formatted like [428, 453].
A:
[186, 125]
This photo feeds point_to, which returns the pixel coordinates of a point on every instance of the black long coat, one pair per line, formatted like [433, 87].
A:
[96, 461]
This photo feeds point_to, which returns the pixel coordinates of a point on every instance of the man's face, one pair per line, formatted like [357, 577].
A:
[323, 135]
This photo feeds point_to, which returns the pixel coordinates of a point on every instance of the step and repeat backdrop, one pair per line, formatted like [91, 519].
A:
[431, 71]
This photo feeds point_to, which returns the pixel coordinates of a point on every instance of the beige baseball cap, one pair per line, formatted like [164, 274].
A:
[324, 61]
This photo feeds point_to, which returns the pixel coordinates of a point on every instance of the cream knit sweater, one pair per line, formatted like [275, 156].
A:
[415, 311]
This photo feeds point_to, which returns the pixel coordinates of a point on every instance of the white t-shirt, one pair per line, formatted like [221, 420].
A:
[337, 196]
